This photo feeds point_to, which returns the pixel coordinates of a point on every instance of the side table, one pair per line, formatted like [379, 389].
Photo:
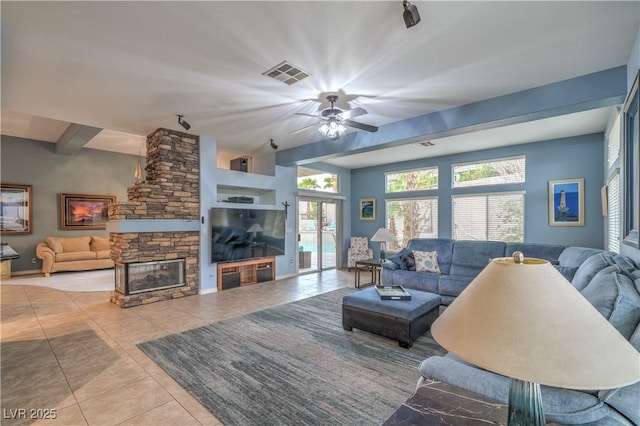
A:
[374, 266]
[438, 403]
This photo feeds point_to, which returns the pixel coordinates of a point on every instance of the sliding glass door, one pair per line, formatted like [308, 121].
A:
[317, 228]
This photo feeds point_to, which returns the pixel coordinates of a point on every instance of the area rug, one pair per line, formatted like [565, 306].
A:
[100, 280]
[293, 365]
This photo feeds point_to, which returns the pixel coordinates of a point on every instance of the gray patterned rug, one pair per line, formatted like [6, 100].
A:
[292, 365]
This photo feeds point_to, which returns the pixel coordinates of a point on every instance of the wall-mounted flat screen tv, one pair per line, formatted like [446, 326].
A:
[240, 234]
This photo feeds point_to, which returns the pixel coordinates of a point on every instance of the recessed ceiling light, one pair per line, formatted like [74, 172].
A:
[287, 73]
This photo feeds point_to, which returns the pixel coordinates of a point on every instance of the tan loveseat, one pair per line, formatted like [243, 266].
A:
[74, 254]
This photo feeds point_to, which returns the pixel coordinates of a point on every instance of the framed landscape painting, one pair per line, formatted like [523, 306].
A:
[368, 209]
[16, 209]
[566, 202]
[83, 211]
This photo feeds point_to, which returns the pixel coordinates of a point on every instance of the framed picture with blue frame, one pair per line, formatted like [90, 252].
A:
[566, 202]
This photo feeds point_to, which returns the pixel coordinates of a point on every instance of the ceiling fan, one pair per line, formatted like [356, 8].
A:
[335, 120]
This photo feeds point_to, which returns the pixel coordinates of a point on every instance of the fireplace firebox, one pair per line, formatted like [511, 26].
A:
[140, 277]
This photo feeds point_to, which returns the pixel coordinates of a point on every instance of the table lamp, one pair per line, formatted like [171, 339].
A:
[382, 236]
[522, 319]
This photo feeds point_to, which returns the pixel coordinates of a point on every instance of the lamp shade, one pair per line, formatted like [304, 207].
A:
[382, 236]
[526, 321]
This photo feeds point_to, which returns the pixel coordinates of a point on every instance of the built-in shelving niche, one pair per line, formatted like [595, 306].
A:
[261, 196]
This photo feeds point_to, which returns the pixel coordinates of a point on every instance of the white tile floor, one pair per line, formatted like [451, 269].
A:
[75, 354]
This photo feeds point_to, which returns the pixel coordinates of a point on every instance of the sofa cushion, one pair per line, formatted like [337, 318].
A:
[72, 256]
[567, 271]
[103, 254]
[394, 262]
[99, 243]
[426, 261]
[614, 295]
[625, 263]
[625, 400]
[423, 281]
[575, 256]
[75, 244]
[560, 405]
[444, 247]
[589, 269]
[54, 244]
[471, 257]
[549, 252]
[453, 285]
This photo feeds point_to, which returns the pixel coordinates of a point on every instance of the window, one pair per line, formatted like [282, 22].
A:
[613, 141]
[498, 217]
[492, 172]
[613, 212]
[411, 218]
[317, 180]
[412, 180]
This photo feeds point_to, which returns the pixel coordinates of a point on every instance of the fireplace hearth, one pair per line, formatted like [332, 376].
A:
[141, 277]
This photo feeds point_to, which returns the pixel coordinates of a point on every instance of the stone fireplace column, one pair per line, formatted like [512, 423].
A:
[161, 219]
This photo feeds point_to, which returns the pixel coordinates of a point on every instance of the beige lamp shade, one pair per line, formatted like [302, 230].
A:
[382, 235]
[526, 321]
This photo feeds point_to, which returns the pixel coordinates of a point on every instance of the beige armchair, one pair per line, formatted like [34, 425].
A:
[359, 250]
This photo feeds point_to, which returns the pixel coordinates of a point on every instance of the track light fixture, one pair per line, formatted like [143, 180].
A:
[273, 144]
[410, 14]
[183, 123]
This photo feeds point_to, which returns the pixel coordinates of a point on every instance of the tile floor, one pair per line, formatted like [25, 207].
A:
[74, 354]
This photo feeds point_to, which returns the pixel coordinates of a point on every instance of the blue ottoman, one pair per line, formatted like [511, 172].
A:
[402, 320]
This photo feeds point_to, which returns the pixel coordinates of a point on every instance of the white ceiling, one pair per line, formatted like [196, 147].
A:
[130, 67]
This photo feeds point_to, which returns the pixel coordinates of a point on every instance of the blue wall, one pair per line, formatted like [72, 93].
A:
[575, 157]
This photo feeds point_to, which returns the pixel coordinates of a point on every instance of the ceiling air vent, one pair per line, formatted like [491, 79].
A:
[287, 73]
[425, 144]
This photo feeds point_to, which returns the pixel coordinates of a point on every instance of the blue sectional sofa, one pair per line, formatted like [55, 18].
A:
[459, 263]
[610, 282]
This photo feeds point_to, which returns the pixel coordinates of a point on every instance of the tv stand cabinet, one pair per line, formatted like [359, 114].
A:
[246, 272]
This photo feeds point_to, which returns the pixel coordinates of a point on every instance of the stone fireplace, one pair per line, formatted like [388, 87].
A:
[160, 222]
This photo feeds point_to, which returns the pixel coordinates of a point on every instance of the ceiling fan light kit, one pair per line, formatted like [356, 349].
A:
[410, 14]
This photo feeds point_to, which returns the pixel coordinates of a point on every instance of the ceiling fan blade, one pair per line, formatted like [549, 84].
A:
[355, 112]
[305, 128]
[361, 126]
[308, 115]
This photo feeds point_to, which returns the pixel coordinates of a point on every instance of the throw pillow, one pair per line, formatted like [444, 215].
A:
[54, 244]
[409, 261]
[99, 243]
[426, 261]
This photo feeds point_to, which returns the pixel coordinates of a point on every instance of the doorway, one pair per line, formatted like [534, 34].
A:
[317, 234]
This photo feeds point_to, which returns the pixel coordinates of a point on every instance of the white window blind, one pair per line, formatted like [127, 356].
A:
[613, 212]
[494, 216]
[411, 218]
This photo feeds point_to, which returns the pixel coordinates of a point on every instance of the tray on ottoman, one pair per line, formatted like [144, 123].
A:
[402, 320]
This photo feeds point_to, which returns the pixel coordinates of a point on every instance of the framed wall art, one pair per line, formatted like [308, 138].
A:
[16, 209]
[631, 194]
[367, 209]
[83, 211]
[566, 202]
